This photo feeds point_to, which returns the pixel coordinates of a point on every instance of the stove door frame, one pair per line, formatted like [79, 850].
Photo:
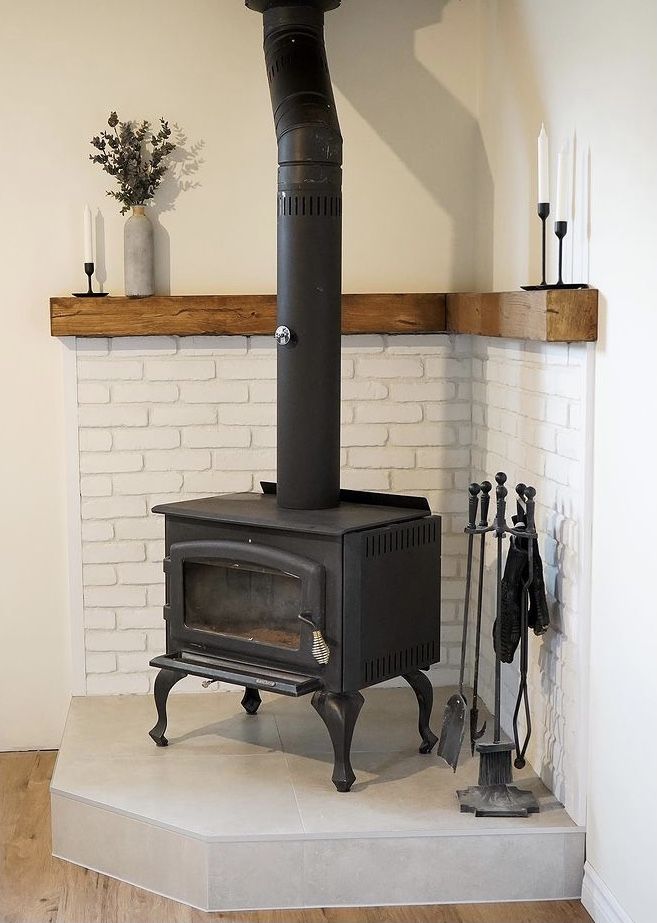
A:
[313, 600]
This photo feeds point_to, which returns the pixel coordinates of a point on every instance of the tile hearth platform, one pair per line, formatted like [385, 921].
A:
[239, 812]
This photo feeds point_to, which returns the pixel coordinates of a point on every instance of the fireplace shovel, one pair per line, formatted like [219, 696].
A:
[453, 729]
[477, 732]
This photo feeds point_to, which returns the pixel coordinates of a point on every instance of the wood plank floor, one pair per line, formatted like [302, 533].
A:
[35, 888]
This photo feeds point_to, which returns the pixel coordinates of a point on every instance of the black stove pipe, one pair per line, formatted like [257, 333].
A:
[309, 252]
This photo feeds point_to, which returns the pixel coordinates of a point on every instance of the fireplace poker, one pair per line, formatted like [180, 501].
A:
[453, 729]
[476, 734]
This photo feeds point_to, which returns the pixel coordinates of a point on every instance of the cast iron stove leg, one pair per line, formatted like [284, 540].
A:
[251, 700]
[164, 683]
[339, 711]
[421, 686]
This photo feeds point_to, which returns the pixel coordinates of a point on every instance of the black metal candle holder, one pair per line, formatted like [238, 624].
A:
[543, 212]
[560, 229]
[89, 270]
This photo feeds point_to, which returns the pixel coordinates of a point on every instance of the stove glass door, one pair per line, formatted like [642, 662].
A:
[243, 600]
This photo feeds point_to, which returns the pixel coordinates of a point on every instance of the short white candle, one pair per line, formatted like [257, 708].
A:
[561, 213]
[88, 240]
[543, 166]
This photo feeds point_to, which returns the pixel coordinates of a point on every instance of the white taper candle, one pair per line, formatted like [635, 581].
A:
[543, 166]
[561, 213]
[88, 239]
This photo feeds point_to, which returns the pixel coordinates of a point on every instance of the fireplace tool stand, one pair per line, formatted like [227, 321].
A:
[495, 795]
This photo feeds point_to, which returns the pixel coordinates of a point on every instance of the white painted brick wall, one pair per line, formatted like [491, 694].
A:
[169, 418]
[164, 419]
[528, 412]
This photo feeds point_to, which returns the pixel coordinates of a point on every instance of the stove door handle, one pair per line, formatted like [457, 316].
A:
[307, 617]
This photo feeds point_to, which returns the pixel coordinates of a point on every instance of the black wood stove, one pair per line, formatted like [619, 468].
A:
[304, 587]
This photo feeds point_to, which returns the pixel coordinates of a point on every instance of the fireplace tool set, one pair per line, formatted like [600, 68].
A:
[520, 604]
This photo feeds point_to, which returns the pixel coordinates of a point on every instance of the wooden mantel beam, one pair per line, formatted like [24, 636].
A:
[234, 315]
[553, 315]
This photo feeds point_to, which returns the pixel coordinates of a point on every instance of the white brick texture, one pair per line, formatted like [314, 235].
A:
[171, 419]
[177, 418]
[527, 414]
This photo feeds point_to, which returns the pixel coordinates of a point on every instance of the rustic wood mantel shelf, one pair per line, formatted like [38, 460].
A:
[550, 316]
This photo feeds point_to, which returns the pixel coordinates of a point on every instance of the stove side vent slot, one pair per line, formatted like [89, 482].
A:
[410, 658]
[401, 538]
[391, 606]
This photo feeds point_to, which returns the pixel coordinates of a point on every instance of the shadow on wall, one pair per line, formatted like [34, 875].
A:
[512, 108]
[430, 130]
[100, 267]
[185, 161]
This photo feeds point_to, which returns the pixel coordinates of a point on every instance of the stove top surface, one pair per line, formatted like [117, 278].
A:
[262, 510]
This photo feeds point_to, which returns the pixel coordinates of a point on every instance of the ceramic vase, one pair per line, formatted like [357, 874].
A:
[138, 254]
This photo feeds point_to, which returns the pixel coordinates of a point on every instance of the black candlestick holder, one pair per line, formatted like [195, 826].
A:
[89, 270]
[560, 229]
[543, 212]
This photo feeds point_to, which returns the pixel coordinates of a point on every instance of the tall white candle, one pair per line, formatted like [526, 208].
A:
[88, 240]
[561, 213]
[543, 166]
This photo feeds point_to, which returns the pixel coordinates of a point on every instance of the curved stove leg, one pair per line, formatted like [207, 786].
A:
[164, 683]
[339, 711]
[251, 700]
[421, 686]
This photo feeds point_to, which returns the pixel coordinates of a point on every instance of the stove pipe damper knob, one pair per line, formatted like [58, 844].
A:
[283, 335]
[309, 263]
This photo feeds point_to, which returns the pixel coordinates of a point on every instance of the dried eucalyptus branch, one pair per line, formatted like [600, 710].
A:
[135, 156]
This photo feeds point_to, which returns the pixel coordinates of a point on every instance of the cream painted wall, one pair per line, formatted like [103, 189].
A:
[589, 69]
[406, 91]
[417, 175]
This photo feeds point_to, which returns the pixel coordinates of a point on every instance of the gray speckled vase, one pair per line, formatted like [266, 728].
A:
[138, 255]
